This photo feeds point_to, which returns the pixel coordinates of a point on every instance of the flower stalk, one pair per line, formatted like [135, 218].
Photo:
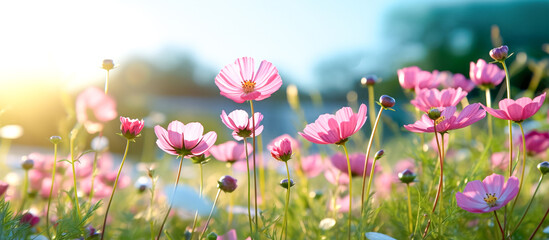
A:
[210, 216]
[350, 190]
[55, 140]
[368, 149]
[171, 199]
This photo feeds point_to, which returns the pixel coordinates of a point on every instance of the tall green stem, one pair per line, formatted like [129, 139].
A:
[114, 188]
[255, 168]
[539, 225]
[200, 194]
[285, 226]
[366, 164]
[440, 184]
[528, 207]
[508, 85]
[249, 182]
[24, 191]
[499, 224]
[51, 190]
[489, 104]
[523, 165]
[372, 113]
[74, 132]
[171, 199]
[94, 168]
[410, 226]
[350, 190]
[210, 216]
[107, 82]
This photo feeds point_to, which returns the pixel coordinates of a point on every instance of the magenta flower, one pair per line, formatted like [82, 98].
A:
[101, 105]
[184, 140]
[489, 195]
[281, 150]
[330, 129]
[448, 119]
[295, 143]
[357, 160]
[486, 75]
[131, 128]
[238, 121]
[411, 78]
[457, 80]
[230, 151]
[30, 219]
[312, 165]
[3, 187]
[536, 142]
[518, 110]
[238, 82]
[433, 98]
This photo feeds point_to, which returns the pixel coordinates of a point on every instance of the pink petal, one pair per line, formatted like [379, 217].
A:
[175, 134]
[470, 205]
[510, 191]
[246, 65]
[192, 134]
[494, 184]
[239, 119]
[207, 141]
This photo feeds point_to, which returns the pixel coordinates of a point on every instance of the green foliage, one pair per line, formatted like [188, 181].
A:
[70, 224]
[11, 226]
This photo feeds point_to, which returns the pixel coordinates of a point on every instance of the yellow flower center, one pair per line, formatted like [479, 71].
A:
[439, 120]
[491, 199]
[248, 86]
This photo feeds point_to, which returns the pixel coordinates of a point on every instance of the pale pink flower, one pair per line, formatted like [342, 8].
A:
[411, 78]
[456, 80]
[357, 161]
[131, 128]
[434, 98]
[335, 176]
[184, 140]
[489, 195]
[342, 204]
[239, 83]
[500, 160]
[335, 129]
[486, 75]
[242, 127]
[519, 110]
[230, 151]
[536, 142]
[103, 107]
[449, 120]
[295, 143]
[230, 235]
[312, 165]
[281, 150]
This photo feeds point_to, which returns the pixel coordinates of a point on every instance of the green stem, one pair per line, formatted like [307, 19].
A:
[499, 224]
[285, 227]
[249, 182]
[539, 225]
[114, 188]
[107, 82]
[440, 184]
[372, 113]
[350, 190]
[255, 168]
[507, 81]
[489, 104]
[366, 165]
[210, 216]
[151, 204]
[409, 209]
[74, 132]
[24, 191]
[528, 207]
[200, 194]
[508, 85]
[51, 190]
[94, 168]
[171, 199]
[523, 165]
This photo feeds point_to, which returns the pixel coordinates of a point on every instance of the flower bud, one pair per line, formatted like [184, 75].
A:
[368, 80]
[55, 139]
[131, 128]
[227, 183]
[200, 159]
[30, 219]
[108, 64]
[379, 154]
[211, 236]
[27, 164]
[434, 114]
[386, 101]
[543, 167]
[282, 150]
[500, 53]
[406, 176]
[284, 183]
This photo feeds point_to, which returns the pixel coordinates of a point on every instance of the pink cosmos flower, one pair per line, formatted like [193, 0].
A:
[500, 160]
[184, 140]
[449, 120]
[456, 80]
[3, 187]
[518, 110]
[339, 161]
[103, 107]
[131, 128]
[239, 83]
[330, 129]
[536, 142]
[433, 98]
[486, 75]
[489, 195]
[312, 165]
[411, 78]
[242, 127]
[281, 150]
[230, 235]
[295, 143]
[335, 176]
[230, 151]
[30, 219]
[387, 182]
